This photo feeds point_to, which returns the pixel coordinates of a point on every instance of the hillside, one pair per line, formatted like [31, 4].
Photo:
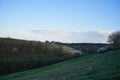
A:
[18, 55]
[91, 67]
[85, 47]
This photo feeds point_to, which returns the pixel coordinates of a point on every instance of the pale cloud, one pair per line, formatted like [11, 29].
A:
[60, 32]
[62, 35]
[1, 27]
[72, 35]
[105, 32]
[96, 36]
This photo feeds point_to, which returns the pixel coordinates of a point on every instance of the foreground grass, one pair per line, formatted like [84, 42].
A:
[92, 67]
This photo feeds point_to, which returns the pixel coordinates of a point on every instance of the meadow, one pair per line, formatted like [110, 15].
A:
[90, 67]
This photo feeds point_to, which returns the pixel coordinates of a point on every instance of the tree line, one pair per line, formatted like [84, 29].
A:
[18, 55]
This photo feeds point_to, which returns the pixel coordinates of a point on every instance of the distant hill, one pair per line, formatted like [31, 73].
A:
[85, 47]
[90, 67]
[18, 55]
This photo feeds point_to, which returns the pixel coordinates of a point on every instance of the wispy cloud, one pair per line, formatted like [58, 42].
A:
[71, 35]
[1, 27]
[60, 32]
[92, 36]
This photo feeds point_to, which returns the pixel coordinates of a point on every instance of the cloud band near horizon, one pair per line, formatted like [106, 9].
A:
[67, 35]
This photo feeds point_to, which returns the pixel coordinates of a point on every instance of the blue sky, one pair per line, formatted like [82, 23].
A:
[59, 20]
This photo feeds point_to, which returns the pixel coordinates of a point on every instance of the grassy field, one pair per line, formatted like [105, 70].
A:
[91, 67]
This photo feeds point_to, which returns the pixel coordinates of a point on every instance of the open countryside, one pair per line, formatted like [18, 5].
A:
[59, 39]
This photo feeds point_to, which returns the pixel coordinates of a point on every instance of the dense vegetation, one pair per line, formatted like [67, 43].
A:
[91, 67]
[85, 47]
[114, 39]
[17, 55]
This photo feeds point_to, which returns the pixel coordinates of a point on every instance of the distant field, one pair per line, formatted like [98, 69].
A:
[91, 67]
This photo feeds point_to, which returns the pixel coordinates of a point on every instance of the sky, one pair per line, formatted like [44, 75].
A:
[71, 21]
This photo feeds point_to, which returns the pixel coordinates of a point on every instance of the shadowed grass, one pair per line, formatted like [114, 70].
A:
[91, 67]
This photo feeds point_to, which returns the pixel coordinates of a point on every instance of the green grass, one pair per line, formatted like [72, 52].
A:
[91, 67]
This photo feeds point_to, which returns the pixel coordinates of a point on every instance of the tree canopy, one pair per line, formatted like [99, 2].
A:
[114, 39]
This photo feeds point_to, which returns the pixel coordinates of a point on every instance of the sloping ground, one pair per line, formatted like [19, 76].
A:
[20, 55]
[71, 50]
[85, 47]
[92, 67]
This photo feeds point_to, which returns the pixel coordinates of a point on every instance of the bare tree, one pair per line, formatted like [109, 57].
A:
[114, 39]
